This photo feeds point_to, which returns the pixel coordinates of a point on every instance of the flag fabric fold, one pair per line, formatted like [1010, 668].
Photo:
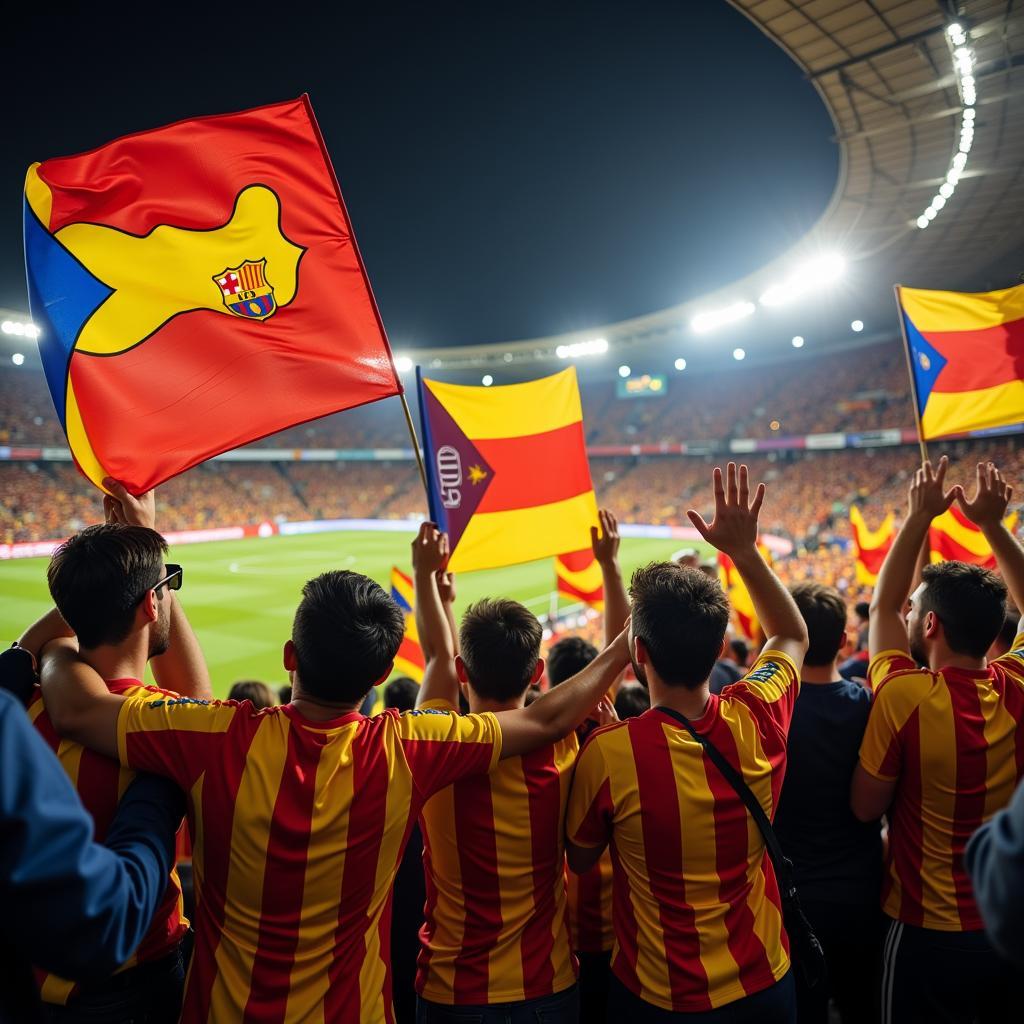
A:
[871, 545]
[409, 661]
[578, 578]
[198, 287]
[507, 470]
[743, 615]
[966, 354]
[952, 537]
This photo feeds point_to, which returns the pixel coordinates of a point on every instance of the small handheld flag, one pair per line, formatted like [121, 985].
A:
[871, 545]
[409, 661]
[198, 287]
[507, 471]
[578, 578]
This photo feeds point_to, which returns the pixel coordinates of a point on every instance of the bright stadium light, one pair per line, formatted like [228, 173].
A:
[680, 364]
[17, 359]
[923, 221]
[813, 274]
[738, 354]
[507, 357]
[857, 326]
[798, 341]
[945, 190]
[713, 318]
[624, 371]
[403, 364]
[487, 381]
[594, 347]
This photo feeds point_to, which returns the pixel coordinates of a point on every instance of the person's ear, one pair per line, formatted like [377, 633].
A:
[725, 647]
[931, 625]
[148, 608]
[289, 657]
[460, 670]
[640, 651]
[538, 671]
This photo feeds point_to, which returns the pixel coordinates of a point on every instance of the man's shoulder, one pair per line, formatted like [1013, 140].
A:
[608, 735]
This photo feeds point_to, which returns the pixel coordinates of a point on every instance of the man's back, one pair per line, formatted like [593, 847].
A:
[698, 919]
[299, 829]
[955, 741]
[497, 925]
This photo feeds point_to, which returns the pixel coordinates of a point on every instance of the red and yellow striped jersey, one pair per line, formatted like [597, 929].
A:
[696, 907]
[298, 829]
[954, 740]
[101, 783]
[494, 857]
[590, 907]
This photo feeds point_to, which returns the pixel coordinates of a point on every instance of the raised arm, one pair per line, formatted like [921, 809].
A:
[556, 713]
[429, 557]
[733, 531]
[604, 541]
[50, 626]
[927, 498]
[987, 510]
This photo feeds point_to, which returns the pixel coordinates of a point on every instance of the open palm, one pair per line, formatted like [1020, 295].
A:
[734, 526]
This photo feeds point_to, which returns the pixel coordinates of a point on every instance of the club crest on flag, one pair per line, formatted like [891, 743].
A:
[245, 290]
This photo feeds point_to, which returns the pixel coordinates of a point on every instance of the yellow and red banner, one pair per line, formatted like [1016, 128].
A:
[966, 354]
[409, 660]
[743, 614]
[872, 545]
[507, 471]
[578, 578]
[954, 538]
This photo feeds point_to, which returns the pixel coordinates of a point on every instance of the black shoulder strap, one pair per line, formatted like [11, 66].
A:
[783, 867]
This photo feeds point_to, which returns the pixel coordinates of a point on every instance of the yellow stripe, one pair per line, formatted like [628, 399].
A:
[587, 580]
[953, 413]
[940, 312]
[78, 439]
[513, 410]
[70, 756]
[973, 540]
[37, 192]
[869, 539]
[494, 539]
[243, 898]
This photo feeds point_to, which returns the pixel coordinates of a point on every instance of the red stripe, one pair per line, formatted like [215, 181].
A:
[663, 847]
[907, 833]
[411, 652]
[281, 907]
[588, 922]
[627, 931]
[979, 359]
[577, 561]
[971, 789]
[220, 791]
[544, 797]
[478, 864]
[363, 851]
[517, 464]
[566, 589]
[429, 928]
[953, 551]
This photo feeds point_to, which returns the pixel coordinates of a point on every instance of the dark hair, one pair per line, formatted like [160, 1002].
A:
[570, 655]
[632, 701]
[346, 634]
[740, 651]
[969, 601]
[681, 614]
[1011, 625]
[500, 645]
[284, 693]
[99, 576]
[824, 614]
[258, 694]
[863, 610]
[401, 693]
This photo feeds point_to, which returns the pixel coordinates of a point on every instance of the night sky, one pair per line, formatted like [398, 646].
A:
[511, 170]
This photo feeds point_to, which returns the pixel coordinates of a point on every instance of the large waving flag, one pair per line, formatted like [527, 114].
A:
[409, 661]
[198, 287]
[872, 545]
[743, 614]
[507, 470]
[578, 578]
[954, 538]
[967, 358]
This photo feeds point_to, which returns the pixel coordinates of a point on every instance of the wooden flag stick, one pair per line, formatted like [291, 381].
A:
[913, 379]
[415, 443]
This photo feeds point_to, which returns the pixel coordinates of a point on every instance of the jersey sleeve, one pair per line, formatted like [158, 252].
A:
[588, 818]
[171, 736]
[769, 689]
[442, 746]
[1013, 660]
[884, 663]
[892, 708]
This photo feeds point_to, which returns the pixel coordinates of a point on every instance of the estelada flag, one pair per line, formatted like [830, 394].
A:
[409, 660]
[198, 287]
[507, 471]
[871, 545]
[952, 537]
[578, 578]
[744, 616]
[966, 353]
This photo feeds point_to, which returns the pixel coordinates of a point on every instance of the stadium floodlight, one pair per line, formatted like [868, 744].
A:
[507, 357]
[798, 341]
[945, 190]
[923, 221]
[17, 359]
[594, 347]
[930, 213]
[738, 354]
[857, 326]
[403, 364]
[624, 371]
[956, 33]
[824, 270]
[713, 318]
[680, 364]
[487, 381]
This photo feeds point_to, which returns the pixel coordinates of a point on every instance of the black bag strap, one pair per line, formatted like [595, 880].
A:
[783, 867]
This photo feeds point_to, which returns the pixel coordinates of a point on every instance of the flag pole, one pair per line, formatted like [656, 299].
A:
[910, 371]
[415, 442]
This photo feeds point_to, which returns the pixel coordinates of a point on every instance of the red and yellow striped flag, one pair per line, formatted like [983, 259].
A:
[872, 545]
[578, 578]
[744, 616]
[409, 661]
[954, 538]
[507, 471]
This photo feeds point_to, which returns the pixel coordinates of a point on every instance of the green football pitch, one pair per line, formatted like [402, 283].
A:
[240, 595]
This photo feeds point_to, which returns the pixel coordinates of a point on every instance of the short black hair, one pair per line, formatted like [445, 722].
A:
[740, 651]
[824, 614]
[632, 701]
[284, 693]
[260, 695]
[570, 655]
[401, 693]
[346, 633]
[681, 614]
[1011, 625]
[499, 641]
[969, 601]
[863, 610]
[98, 577]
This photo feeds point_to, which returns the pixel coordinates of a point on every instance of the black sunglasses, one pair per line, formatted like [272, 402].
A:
[172, 581]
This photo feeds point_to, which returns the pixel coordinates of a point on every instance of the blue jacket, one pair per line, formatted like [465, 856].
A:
[69, 904]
